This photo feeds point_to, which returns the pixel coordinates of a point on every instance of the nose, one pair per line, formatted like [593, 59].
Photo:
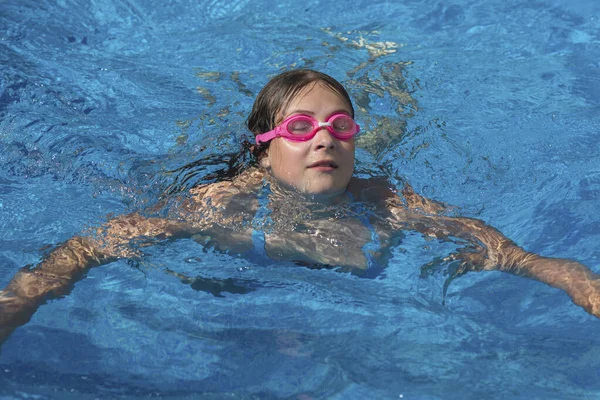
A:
[324, 139]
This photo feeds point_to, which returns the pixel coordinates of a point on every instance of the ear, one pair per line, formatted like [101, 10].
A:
[265, 161]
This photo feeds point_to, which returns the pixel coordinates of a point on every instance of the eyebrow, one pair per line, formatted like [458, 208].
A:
[300, 111]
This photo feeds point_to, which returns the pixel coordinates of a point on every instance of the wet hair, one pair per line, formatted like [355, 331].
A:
[278, 93]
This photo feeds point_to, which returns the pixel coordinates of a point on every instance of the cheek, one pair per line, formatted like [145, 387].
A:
[284, 159]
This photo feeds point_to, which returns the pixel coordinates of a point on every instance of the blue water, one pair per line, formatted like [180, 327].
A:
[493, 106]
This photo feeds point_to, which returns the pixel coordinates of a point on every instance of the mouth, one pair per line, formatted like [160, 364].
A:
[323, 164]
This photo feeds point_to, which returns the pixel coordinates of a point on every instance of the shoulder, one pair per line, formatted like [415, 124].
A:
[423, 204]
[374, 190]
[380, 191]
[247, 183]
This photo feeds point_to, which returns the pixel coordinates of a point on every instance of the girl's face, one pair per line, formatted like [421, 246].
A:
[322, 165]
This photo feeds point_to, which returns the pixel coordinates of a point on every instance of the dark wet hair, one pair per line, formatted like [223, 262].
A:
[278, 93]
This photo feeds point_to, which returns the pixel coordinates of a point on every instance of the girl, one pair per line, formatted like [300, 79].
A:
[310, 208]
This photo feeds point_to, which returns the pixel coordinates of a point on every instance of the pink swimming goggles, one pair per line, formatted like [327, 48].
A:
[302, 127]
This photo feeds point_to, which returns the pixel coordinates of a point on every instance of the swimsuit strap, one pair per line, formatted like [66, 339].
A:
[261, 218]
[374, 245]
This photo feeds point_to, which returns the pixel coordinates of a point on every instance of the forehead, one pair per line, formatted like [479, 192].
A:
[317, 95]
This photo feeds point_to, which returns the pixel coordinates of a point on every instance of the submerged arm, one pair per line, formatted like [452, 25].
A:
[491, 250]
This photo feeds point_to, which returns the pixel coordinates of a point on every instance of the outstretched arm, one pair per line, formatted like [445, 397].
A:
[491, 250]
[56, 274]
[216, 210]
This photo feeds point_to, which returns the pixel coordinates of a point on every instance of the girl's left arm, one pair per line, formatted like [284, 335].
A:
[491, 250]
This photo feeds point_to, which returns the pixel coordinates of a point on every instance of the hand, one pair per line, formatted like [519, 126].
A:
[14, 312]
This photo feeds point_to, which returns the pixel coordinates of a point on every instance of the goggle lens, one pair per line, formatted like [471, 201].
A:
[300, 126]
[343, 125]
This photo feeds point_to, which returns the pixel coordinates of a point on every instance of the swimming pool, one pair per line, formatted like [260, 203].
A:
[491, 106]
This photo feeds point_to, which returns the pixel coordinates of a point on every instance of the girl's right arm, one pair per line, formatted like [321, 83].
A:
[207, 211]
[56, 274]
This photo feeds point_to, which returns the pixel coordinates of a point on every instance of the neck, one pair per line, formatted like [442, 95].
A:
[281, 190]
